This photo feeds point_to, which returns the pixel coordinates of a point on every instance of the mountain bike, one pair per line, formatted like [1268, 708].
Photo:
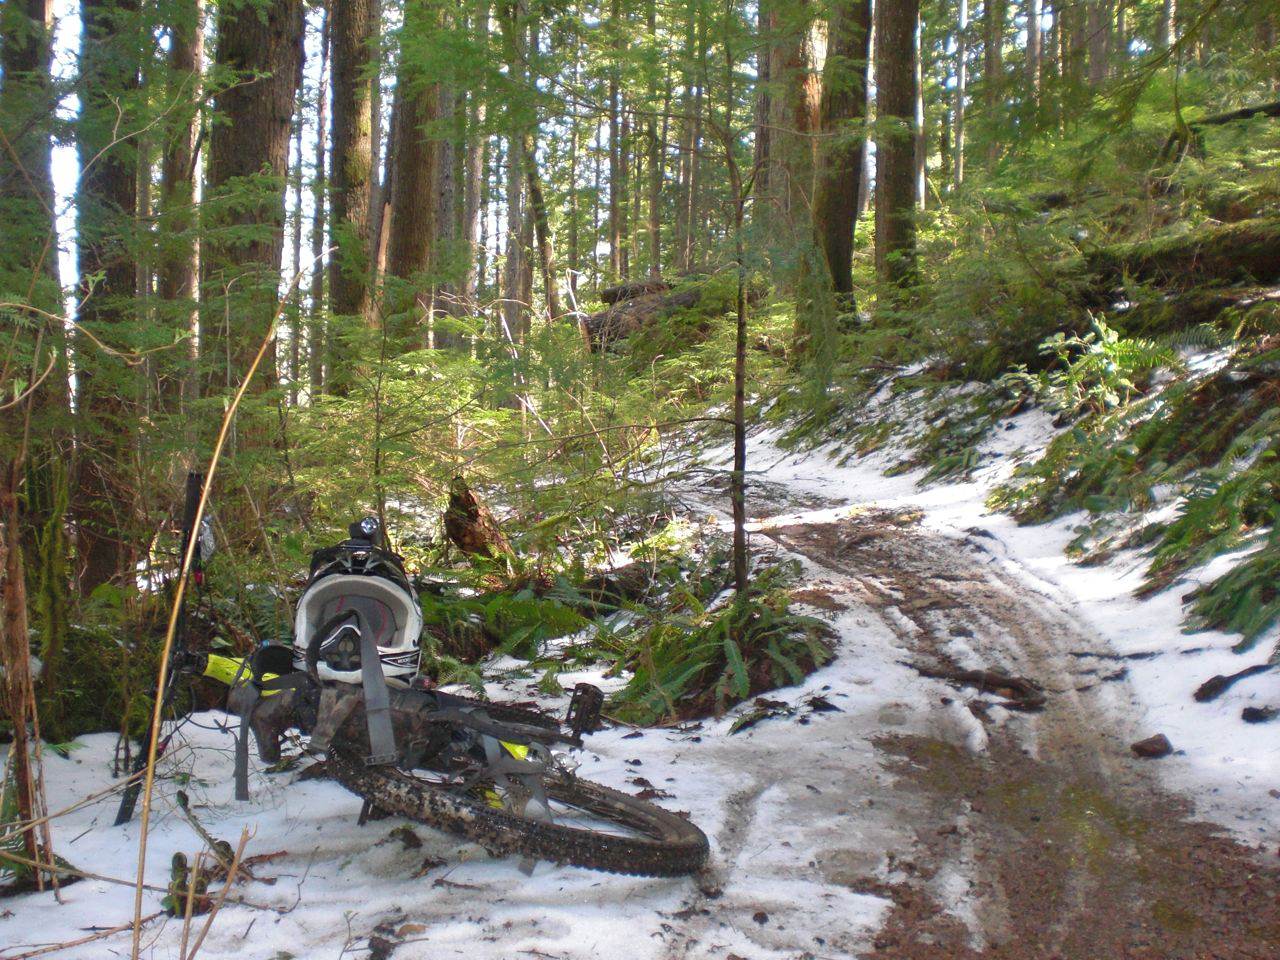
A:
[496, 774]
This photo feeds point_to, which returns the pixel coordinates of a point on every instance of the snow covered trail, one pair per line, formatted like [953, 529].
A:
[872, 812]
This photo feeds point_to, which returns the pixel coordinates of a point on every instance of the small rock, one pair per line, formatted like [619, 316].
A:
[760, 917]
[407, 838]
[1152, 748]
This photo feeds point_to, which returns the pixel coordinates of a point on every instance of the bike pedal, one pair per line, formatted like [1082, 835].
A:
[584, 709]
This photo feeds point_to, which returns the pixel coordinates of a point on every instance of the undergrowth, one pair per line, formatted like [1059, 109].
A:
[701, 660]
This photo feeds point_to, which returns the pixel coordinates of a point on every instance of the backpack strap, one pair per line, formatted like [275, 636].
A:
[377, 703]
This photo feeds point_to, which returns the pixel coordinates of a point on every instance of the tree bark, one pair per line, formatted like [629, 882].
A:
[615, 147]
[16, 691]
[105, 206]
[177, 267]
[694, 183]
[248, 160]
[766, 25]
[352, 171]
[1035, 10]
[1099, 32]
[795, 114]
[542, 233]
[657, 175]
[474, 174]
[378, 170]
[843, 116]
[1167, 28]
[444, 245]
[295, 264]
[29, 251]
[412, 232]
[575, 262]
[994, 17]
[895, 107]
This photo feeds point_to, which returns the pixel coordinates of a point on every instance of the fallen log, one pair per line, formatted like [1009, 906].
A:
[1020, 693]
[1181, 311]
[1243, 252]
[632, 289]
[1238, 251]
[605, 328]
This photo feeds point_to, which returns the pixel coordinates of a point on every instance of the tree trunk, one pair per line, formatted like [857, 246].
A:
[656, 175]
[766, 25]
[352, 170]
[316, 341]
[994, 16]
[1167, 29]
[16, 691]
[542, 232]
[36, 430]
[895, 106]
[597, 186]
[295, 265]
[961, 91]
[412, 231]
[574, 264]
[616, 194]
[840, 159]
[248, 160]
[685, 161]
[178, 263]
[795, 112]
[29, 251]
[105, 206]
[444, 244]
[377, 170]
[694, 184]
[1099, 31]
[1035, 10]
[473, 205]
[474, 176]
[513, 305]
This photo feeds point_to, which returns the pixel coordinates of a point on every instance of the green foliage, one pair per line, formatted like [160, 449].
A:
[709, 658]
[1246, 600]
[1095, 372]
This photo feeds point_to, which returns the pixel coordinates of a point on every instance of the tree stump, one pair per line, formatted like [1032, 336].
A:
[469, 524]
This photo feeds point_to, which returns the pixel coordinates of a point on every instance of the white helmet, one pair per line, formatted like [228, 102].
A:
[358, 589]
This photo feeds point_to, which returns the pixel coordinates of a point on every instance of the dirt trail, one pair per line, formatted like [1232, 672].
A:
[1052, 838]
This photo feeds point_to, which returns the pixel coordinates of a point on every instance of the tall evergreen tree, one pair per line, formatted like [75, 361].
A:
[843, 112]
[259, 59]
[895, 55]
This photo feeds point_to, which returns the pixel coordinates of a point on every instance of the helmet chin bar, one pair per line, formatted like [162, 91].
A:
[340, 650]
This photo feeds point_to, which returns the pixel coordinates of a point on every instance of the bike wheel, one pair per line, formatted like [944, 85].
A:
[592, 826]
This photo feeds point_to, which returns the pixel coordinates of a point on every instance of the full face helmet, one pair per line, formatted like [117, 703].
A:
[355, 590]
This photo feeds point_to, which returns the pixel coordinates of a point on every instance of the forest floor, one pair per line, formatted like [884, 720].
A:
[870, 811]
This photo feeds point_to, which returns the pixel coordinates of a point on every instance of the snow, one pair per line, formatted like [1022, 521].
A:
[781, 801]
